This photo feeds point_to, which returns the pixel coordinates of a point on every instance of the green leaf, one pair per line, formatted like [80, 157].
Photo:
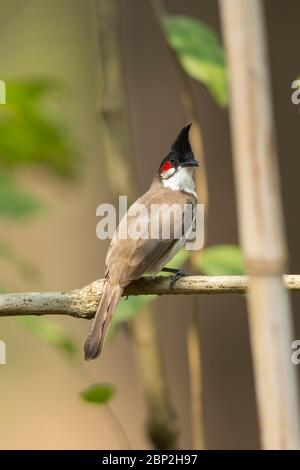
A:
[220, 260]
[200, 53]
[31, 131]
[14, 201]
[98, 393]
[51, 333]
[179, 259]
[127, 309]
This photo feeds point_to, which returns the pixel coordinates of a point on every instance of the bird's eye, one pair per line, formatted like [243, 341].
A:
[171, 159]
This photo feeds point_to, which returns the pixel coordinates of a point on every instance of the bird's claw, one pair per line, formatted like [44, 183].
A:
[173, 279]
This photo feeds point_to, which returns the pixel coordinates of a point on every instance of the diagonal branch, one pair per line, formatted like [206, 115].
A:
[83, 303]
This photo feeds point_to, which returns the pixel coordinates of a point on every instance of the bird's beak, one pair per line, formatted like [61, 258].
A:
[191, 163]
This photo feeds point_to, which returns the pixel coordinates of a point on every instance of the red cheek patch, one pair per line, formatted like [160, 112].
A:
[165, 167]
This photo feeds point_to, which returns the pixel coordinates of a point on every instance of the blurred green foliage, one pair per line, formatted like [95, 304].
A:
[199, 52]
[220, 260]
[51, 333]
[98, 393]
[15, 202]
[179, 259]
[31, 132]
[126, 310]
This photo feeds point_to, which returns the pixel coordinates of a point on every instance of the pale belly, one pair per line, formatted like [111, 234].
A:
[161, 263]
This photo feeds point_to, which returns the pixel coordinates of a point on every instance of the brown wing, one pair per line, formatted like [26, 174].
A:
[128, 259]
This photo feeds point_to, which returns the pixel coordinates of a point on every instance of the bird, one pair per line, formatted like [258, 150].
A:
[128, 258]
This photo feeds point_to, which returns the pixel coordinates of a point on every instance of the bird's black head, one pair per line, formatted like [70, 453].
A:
[180, 155]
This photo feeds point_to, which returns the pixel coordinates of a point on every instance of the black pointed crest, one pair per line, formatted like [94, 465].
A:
[182, 144]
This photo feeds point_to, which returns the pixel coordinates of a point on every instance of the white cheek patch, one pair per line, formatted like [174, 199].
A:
[168, 173]
[182, 180]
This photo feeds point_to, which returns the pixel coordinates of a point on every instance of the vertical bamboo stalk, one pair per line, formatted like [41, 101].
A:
[161, 419]
[261, 223]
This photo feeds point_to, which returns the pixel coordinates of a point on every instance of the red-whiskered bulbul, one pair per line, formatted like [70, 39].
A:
[128, 258]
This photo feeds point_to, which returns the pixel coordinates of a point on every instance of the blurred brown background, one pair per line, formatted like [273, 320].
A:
[39, 403]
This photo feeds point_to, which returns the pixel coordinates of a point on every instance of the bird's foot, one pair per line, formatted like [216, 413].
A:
[177, 274]
[180, 273]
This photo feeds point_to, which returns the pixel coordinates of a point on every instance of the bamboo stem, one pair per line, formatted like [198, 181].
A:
[261, 222]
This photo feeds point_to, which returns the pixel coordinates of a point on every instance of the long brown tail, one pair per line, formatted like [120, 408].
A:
[97, 334]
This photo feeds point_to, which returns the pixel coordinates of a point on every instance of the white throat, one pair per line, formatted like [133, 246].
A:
[181, 180]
